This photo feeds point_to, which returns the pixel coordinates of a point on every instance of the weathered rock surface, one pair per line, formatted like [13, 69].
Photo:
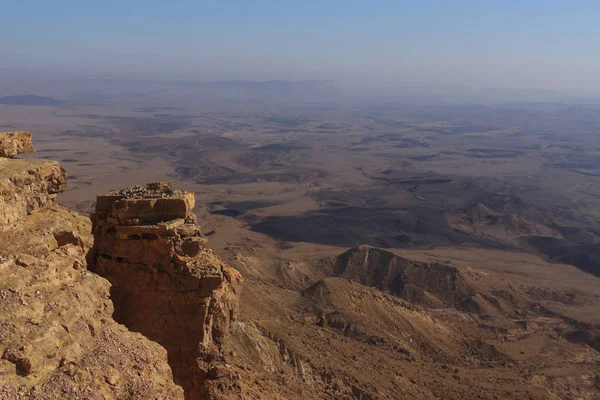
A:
[14, 143]
[57, 336]
[27, 185]
[425, 283]
[167, 284]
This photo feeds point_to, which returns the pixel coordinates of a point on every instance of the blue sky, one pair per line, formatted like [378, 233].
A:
[486, 43]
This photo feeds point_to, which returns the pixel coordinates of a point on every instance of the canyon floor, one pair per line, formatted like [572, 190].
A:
[389, 250]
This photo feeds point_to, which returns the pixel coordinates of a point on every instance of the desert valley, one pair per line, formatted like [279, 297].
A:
[349, 247]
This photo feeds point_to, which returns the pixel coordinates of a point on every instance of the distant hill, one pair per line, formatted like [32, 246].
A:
[29, 100]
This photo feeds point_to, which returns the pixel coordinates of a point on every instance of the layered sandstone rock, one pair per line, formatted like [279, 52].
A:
[57, 336]
[166, 284]
[14, 143]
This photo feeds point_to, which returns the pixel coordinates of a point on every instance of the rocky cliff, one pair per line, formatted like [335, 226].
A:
[25, 185]
[58, 334]
[167, 284]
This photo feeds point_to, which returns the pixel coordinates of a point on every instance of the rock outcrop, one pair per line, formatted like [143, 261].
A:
[431, 284]
[166, 284]
[57, 336]
[27, 185]
[14, 143]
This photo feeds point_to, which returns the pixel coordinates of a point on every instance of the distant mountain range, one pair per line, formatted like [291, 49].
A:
[84, 91]
[93, 90]
[28, 100]
[314, 90]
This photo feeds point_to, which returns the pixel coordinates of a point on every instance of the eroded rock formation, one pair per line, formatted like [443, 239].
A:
[57, 336]
[25, 185]
[14, 143]
[167, 284]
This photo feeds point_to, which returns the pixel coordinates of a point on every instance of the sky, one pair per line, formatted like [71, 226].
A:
[541, 44]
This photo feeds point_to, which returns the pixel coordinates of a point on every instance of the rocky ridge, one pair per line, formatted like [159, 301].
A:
[372, 324]
[58, 334]
[506, 227]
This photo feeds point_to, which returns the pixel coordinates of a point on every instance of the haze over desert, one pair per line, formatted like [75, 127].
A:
[252, 202]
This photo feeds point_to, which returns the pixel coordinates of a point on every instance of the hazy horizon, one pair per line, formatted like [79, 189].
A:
[377, 48]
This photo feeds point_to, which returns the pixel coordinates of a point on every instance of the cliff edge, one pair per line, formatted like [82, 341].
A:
[58, 334]
[166, 284]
